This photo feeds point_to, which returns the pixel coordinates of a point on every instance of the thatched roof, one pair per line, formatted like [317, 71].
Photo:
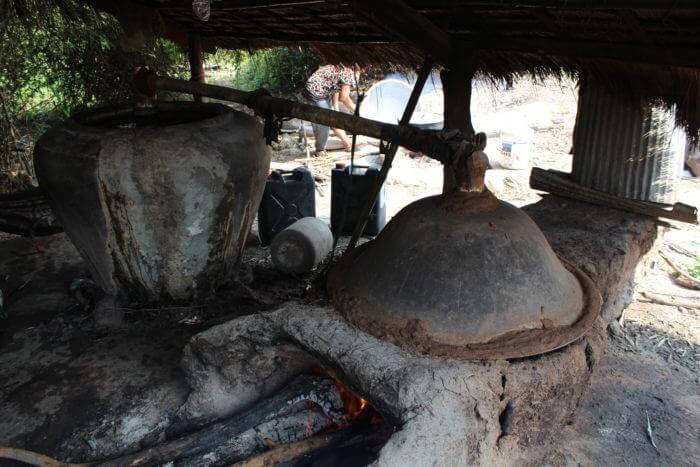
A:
[642, 48]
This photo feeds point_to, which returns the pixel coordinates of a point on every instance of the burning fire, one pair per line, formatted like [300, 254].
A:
[354, 406]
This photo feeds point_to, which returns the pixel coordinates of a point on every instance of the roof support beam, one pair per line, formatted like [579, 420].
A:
[634, 53]
[585, 4]
[630, 19]
[400, 20]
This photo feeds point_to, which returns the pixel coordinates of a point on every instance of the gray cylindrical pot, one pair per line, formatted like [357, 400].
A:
[157, 201]
[301, 246]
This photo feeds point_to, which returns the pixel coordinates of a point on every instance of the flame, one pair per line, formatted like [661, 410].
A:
[353, 405]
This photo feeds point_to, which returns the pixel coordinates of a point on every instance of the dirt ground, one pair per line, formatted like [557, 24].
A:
[70, 390]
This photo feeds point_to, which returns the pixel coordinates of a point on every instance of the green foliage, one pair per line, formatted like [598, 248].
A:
[694, 270]
[283, 69]
[60, 56]
[57, 57]
[52, 60]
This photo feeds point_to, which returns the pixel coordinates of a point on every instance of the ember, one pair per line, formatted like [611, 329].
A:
[356, 408]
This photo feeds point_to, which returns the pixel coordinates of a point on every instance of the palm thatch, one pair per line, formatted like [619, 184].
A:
[645, 49]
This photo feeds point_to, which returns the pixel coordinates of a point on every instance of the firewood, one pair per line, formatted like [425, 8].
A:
[34, 458]
[288, 452]
[684, 279]
[281, 431]
[293, 397]
[671, 301]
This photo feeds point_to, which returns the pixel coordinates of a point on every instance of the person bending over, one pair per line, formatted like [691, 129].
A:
[325, 88]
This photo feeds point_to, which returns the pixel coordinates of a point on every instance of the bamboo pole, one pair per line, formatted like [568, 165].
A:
[427, 142]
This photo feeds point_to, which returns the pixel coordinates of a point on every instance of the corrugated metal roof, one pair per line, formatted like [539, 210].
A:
[626, 148]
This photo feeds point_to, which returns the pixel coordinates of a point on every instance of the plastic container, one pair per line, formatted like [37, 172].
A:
[349, 193]
[515, 148]
[386, 101]
[301, 246]
[289, 196]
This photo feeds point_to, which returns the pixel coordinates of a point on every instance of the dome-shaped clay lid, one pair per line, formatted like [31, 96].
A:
[452, 283]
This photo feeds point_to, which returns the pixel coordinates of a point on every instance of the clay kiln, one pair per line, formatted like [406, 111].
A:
[157, 200]
[465, 275]
[488, 288]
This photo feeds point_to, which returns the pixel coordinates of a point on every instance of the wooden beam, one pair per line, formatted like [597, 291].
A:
[560, 184]
[399, 20]
[256, 5]
[547, 20]
[457, 91]
[630, 19]
[588, 4]
[300, 39]
[194, 53]
[635, 53]
[427, 142]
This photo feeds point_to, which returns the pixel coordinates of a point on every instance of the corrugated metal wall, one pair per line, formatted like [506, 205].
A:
[626, 149]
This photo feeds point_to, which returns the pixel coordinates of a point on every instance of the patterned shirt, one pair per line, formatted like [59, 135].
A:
[327, 80]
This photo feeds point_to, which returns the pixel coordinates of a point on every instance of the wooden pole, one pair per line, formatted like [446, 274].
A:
[559, 183]
[194, 52]
[429, 143]
[457, 90]
[422, 77]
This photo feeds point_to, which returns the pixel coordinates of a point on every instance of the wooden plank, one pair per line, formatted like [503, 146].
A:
[558, 183]
[398, 19]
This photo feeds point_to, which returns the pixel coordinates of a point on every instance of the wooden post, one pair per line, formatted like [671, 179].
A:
[457, 89]
[194, 52]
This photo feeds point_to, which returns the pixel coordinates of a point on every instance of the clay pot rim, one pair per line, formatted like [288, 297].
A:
[512, 345]
[92, 119]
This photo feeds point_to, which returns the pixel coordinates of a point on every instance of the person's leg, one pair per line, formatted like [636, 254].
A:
[321, 132]
[343, 137]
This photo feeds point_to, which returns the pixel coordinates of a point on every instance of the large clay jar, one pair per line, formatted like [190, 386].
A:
[158, 201]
